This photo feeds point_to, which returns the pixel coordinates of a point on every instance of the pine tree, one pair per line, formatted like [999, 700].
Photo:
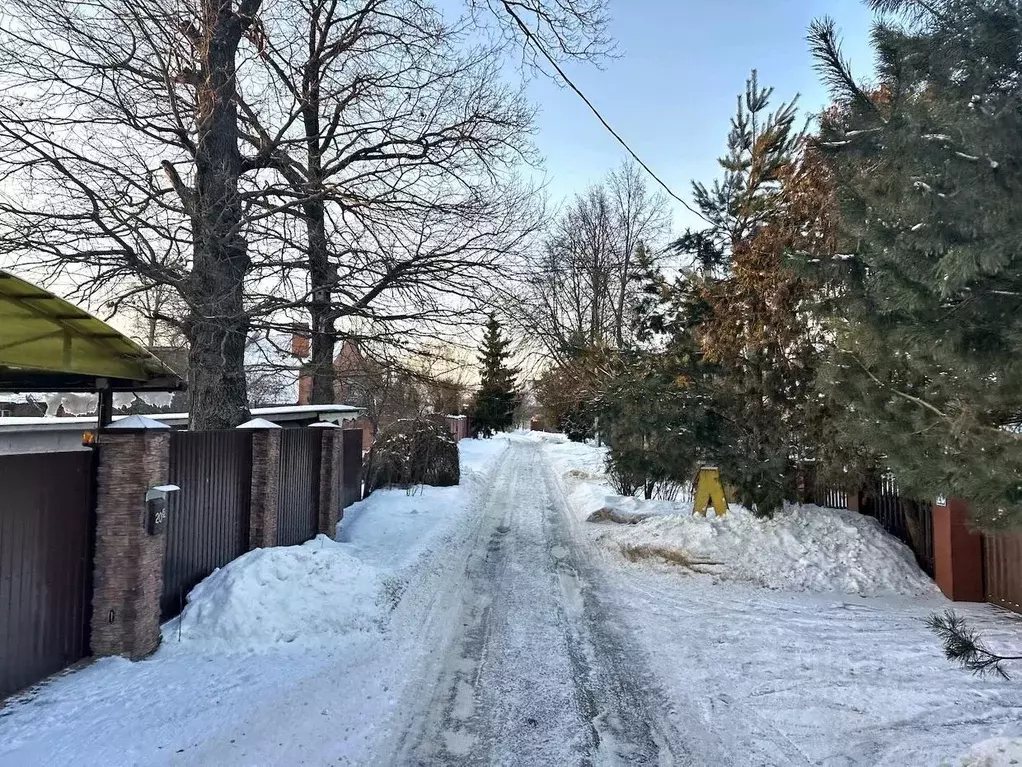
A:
[497, 398]
[654, 404]
[754, 327]
[927, 310]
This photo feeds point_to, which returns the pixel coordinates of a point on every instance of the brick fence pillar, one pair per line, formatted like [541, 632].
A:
[957, 553]
[265, 488]
[128, 579]
[330, 485]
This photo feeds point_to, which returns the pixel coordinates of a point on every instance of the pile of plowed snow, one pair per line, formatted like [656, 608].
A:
[323, 590]
[996, 752]
[295, 594]
[802, 548]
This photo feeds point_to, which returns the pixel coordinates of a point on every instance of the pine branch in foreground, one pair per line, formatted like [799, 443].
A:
[962, 645]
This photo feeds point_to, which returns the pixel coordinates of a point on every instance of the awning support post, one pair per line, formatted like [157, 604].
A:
[105, 409]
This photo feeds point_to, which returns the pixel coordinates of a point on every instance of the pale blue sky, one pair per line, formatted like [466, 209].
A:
[672, 91]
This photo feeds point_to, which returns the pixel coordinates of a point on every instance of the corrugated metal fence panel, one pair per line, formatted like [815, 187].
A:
[351, 471]
[1002, 563]
[46, 528]
[297, 503]
[208, 519]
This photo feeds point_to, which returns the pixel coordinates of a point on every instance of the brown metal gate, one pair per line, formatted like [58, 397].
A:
[46, 530]
[298, 495]
[351, 467]
[208, 519]
[1002, 569]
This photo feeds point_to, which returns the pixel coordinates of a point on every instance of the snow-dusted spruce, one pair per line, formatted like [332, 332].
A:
[496, 400]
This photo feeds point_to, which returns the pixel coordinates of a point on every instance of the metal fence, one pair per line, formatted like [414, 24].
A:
[208, 519]
[831, 498]
[908, 519]
[351, 467]
[298, 499]
[46, 528]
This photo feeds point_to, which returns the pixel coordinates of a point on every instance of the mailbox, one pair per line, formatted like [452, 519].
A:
[156, 507]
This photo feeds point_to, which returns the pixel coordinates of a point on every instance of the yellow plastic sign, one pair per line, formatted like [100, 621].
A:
[709, 490]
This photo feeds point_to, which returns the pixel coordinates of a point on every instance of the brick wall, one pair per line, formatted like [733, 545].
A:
[128, 565]
[265, 488]
[330, 489]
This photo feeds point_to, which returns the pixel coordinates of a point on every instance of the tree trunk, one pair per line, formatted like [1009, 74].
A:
[321, 273]
[622, 297]
[218, 324]
[324, 333]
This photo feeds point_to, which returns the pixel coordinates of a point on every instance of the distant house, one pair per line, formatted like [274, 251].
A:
[353, 376]
[272, 372]
[20, 406]
[383, 392]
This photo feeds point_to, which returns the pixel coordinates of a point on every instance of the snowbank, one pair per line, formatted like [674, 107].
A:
[802, 548]
[479, 455]
[996, 752]
[325, 589]
[308, 594]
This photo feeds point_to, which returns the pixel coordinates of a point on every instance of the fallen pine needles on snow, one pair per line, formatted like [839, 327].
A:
[635, 553]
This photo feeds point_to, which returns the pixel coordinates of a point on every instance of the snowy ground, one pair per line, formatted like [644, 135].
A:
[287, 656]
[492, 624]
[808, 671]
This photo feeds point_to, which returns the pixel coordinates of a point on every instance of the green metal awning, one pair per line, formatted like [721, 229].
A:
[49, 344]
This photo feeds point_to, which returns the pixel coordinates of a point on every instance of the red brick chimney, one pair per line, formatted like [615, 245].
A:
[304, 387]
[300, 345]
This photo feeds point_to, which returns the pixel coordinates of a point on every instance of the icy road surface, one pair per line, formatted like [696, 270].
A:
[538, 671]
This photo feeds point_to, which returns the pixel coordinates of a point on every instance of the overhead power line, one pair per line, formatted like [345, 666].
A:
[538, 45]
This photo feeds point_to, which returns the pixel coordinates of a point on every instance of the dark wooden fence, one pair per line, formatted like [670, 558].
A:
[907, 519]
[351, 470]
[298, 499]
[208, 519]
[46, 528]
[1002, 569]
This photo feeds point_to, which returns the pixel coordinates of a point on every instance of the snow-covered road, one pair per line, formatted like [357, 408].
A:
[488, 624]
[538, 671]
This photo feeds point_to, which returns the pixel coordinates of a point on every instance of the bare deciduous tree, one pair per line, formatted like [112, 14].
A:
[577, 291]
[119, 150]
[348, 161]
[403, 141]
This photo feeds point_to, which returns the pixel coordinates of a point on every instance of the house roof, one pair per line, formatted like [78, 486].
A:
[282, 414]
[49, 344]
[349, 360]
